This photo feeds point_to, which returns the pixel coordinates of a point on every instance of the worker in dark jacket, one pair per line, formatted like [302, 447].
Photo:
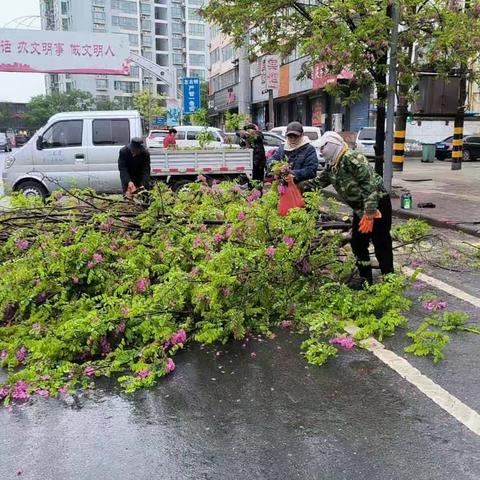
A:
[252, 137]
[361, 188]
[134, 167]
[301, 155]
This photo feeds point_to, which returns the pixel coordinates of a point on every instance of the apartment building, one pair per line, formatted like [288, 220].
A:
[170, 33]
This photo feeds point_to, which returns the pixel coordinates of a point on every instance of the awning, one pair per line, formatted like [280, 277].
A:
[321, 80]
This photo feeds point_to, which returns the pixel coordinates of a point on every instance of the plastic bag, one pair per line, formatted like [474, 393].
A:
[290, 198]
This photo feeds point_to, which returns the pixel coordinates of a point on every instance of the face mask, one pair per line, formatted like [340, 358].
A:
[293, 139]
[331, 152]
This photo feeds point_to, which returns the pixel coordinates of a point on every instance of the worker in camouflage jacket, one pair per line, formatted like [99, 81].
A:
[361, 188]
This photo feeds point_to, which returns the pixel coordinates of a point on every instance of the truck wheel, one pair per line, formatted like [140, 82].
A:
[31, 188]
[181, 185]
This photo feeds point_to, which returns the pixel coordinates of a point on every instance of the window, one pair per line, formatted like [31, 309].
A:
[99, 27]
[196, 44]
[177, 27]
[196, 60]
[133, 40]
[162, 89]
[161, 13]
[215, 56]
[196, 2]
[227, 53]
[178, 59]
[271, 141]
[177, 43]
[67, 133]
[64, 8]
[125, 23]
[177, 12]
[161, 29]
[134, 71]
[65, 23]
[164, 2]
[162, 44]
[192, 135]
[198, 73]
[145, 9]
[194, 15]
[102, 84]
[125, 6]
[196, 29]
[111, 132]
[311, 135]
[99, 17]
[162, 59]
[214, 31]
[126, 87]
[125, 103]
[146, 24]
[146, 40]
[98, 3]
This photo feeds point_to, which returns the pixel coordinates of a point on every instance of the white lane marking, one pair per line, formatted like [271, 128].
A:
[456, 292]
[463, 413]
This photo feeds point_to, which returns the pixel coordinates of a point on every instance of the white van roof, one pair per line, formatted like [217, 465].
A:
[96, 114]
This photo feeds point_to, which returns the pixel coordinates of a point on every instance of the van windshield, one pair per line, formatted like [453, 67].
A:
[311, 135]
[367, 134]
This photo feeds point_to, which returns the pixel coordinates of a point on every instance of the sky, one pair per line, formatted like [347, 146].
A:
[19, 87]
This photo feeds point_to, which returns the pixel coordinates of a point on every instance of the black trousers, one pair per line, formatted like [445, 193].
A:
[382, 242]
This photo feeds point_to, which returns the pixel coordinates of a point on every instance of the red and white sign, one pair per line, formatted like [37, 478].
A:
[40, 51]
[321, 79]
[270, 71]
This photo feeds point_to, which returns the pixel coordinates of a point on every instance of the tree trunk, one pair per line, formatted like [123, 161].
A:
[380, 125]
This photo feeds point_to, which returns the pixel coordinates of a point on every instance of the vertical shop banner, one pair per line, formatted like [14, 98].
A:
[191, 94]
[41, 51]
[270, 72]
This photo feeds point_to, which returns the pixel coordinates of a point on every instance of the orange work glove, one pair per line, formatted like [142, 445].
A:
[130, 190]
[366, 223]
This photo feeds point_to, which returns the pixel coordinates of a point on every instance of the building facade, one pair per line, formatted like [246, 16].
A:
[169, 33]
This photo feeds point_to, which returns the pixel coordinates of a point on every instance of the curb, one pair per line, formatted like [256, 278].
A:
[408, 214]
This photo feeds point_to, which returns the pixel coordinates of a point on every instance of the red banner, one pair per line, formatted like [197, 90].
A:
[321, 79]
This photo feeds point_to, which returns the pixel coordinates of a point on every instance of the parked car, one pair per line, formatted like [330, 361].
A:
[443, 149]
[271, 141]
[365, 142]
[155, 138]
[471, 148]
[21, 140]
[80, 150]
[5, 143]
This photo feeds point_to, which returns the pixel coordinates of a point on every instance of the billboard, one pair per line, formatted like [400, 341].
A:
[40, 51]
[270, 71]
[191, 94]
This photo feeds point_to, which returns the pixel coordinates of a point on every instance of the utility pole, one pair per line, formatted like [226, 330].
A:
[271, 111]
[457, 143]
[392, 85]
[244, 85]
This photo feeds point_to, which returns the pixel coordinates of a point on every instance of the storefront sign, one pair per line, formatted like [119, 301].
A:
[321, 79]
[317, 113]
[270, 71]
[40, 51]
[191, 94]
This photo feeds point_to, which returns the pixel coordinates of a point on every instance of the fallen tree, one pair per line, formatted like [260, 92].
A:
[93, 286]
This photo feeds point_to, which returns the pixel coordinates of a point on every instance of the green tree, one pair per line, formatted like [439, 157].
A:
[107, 104]
[5, 114]
[355, 34]
[200, 117]
[234, 121]
[150, 105]
[42, 107]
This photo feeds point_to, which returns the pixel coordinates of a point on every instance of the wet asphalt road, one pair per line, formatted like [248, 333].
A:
[237, 417]
[271, 416]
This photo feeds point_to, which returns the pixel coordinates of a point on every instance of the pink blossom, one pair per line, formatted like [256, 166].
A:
[75, 280]
[45, 377]
[107, 226]
[3, 355]
[124, 311]
[42, 393]
[255, 195]
[281, 189]
[4, 391]
[178, 337]
[63, 389]
[241, 216]
[306, 267]
[218, 237]
[20, 391]
[416, 264]
[194, 272]
[236, 189]
[253, 354]
[105, 346]
[121, 327]
[203, 228]
[289, 241]
[271, 251]
[19, 472]
[197, 242]
[143, 373]
[286, 324]
[434, 305]
[170, 366]
[89, 372]
[202, 178]
[21, 354]
[142, 284]
[22, 244]
[226, 292]
[344, 341]
[228, 231]
[97, 257]
[90, 265]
